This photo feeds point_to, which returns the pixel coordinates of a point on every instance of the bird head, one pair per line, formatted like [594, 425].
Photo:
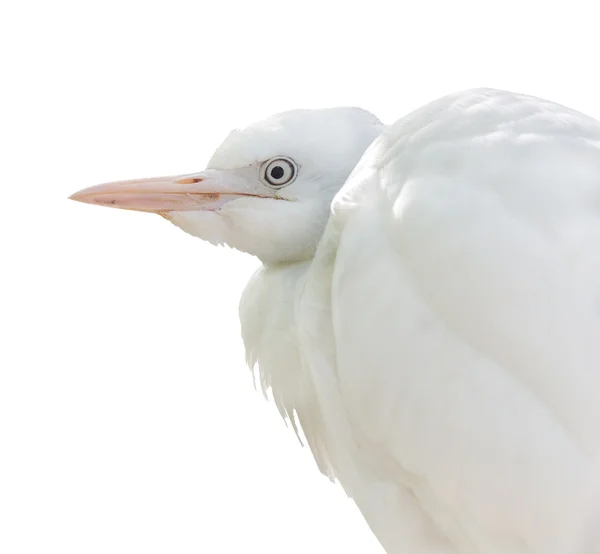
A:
[267, 189]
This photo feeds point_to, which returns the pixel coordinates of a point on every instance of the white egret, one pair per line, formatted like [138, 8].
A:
[428, 311]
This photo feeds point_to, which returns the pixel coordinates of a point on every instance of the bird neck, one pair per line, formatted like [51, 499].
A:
[270, 334]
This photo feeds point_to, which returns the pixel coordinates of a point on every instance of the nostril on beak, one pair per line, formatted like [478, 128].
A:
[189, 180]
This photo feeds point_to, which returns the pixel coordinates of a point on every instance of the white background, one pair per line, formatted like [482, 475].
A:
[128, 420]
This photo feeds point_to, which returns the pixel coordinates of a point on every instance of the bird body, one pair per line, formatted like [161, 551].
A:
[433, 325]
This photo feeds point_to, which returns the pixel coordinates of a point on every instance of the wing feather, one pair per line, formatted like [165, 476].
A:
[461, 275]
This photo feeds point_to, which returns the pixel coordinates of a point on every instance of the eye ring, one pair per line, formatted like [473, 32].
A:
[279, 172]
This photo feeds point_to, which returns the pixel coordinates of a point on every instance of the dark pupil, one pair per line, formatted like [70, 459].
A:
[277, 172]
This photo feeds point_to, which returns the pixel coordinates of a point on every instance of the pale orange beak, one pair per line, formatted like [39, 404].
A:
[207, 190]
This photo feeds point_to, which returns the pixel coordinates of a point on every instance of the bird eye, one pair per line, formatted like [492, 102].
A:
[279, 172]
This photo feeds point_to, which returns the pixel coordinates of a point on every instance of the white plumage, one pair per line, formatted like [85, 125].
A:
[434, 324]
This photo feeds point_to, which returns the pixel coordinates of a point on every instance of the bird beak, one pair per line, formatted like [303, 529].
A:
[207, 190]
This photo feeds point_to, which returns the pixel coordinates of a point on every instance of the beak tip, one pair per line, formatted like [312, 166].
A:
[77, 197]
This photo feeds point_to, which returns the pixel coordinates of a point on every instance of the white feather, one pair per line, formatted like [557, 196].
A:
[445, 341]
